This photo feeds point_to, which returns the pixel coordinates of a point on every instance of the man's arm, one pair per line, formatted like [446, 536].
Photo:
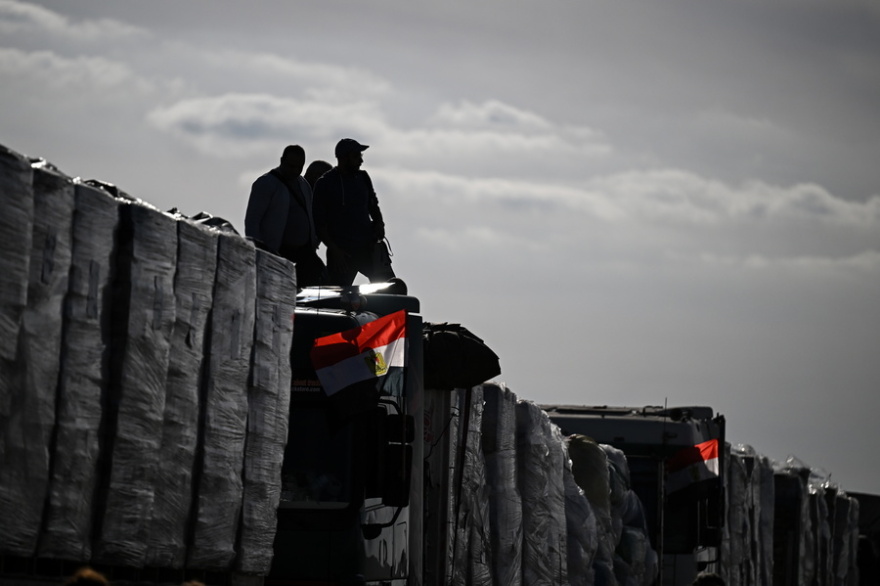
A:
[373, 207]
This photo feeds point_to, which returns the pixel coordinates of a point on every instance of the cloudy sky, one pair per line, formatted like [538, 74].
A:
[632, 202]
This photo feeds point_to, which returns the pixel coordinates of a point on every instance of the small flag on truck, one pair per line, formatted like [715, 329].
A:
[370, 351]
[692, 465]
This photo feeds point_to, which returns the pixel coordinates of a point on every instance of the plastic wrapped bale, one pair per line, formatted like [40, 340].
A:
[27, 431]
[629, 558]
[471, 551]
[852, 560]
[582, 530]
[558, 460]
[618, 481]
[839, 513]
[634, 560]
[793, 538]
[539, 476]
[268, 406]
[193, 294]
[452, 470]
[591, 472]
[748, 546]
[787, 528]
[218, 500]
[634, 549]
[766, 497]
[17, 203]
[724, 546]
[83, 378]
[819, 515]
[748, 550]
[505, 503]
[738, 519]
[144, 311]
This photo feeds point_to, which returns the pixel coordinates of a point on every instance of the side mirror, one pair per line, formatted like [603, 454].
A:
[388, 475]
[398, 474]
[400, 429]
[397, 459]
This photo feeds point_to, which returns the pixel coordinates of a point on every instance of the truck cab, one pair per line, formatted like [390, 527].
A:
[685, 519]
[349, 482]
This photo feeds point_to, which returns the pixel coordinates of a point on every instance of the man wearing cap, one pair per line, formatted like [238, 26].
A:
[279, 217]
[348, 219]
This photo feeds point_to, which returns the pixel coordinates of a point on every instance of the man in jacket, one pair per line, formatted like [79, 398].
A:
[279, 217]
[348, 219]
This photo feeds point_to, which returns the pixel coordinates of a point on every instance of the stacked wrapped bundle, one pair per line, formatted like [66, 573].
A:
[540, 480]
[582, 530]
[471, 544]
[819, 515]
[16, 199]
[748, 532]
[846, 535]
[635, 563]
[591, 472]
[787, 533]
[27, 427]
[766, 495]
[816, 527]
[229, 347]
[268, 405]
[840, 516]
[193, 294]
[83, 377]
[102, 379]
[793, 537]
[738, 527]
[505, 503]
[144, 309]
[450, 495]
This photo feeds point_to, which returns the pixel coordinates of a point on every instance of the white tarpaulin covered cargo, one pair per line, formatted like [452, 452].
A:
[194, 295]
[27, 429]
[144, 307]
[268, 408]
[104, 309]
[17, 205]
[229, 353]
[532, 523]
[84, 377]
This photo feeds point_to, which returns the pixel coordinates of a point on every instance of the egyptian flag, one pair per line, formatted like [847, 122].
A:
[375, 352]
[692, 465]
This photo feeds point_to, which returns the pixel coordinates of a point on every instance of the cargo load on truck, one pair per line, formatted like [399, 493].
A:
[141, 424]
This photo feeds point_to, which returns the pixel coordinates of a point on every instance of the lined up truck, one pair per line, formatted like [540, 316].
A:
[712, 506]
[162, 419]
[684, 507]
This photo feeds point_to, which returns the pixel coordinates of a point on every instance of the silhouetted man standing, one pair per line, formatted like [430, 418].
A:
[348, 218]
[279, 217]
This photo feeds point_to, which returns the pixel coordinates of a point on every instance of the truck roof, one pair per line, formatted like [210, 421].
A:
[649, 430]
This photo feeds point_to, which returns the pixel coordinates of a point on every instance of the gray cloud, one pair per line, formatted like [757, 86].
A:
[54, 71]
[26, 18]
[677, 202]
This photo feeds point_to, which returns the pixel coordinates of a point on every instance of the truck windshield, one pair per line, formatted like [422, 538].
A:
[317, 468]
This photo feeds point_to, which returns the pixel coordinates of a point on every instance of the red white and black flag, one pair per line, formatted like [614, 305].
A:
[374, 350]
[692, 465]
